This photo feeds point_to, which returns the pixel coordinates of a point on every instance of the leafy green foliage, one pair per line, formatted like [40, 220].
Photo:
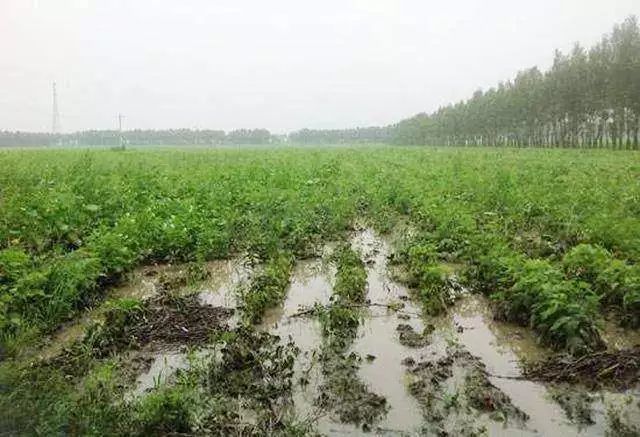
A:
[268, 287]
[586, 262]
[562, 311]
[422, 259]
[351, 278]
[74, 222]
[616, 282]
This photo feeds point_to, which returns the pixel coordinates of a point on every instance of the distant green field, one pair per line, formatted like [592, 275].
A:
[553, 236]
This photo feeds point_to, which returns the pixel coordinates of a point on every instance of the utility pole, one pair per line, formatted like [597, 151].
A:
[55, 118]
[120, 117]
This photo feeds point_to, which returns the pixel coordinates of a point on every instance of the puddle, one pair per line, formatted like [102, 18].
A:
[224, 277]
[378, 337]
[163, 366]
[616, 337]
[143, 283]
[310, 284]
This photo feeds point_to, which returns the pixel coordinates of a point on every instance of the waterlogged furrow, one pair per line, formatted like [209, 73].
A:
[381, 338]
[342, 392]
[310, 287]
[471, 355]
[474, 334]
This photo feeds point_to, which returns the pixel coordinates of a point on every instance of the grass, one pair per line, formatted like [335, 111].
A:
[552, 236]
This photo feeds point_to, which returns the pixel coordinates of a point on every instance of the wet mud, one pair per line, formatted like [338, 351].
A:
[619, 369]
[213, 282]
[394, 371]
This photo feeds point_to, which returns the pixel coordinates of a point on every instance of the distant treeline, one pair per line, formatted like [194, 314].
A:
[138, 137]
[338, 136]
[196, 137]
[589, 98]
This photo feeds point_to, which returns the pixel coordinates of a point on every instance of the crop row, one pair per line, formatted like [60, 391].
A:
[74, 222]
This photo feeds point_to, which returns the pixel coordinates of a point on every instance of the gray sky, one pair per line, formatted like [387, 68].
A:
[278, 64]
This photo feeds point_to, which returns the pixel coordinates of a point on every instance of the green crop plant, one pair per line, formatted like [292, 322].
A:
[267, 288]
[551, 236]
[351, 277]
[75, 222]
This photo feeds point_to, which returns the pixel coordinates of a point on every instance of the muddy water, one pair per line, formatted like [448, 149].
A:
[224, 278]
[501, 347]
[310, 285]
[163, 366]
[378, 337]
[142, 283]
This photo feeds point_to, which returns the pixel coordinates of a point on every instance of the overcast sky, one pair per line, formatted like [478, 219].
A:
[277, 64]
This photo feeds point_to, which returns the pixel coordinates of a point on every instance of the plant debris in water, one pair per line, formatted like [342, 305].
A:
[577, 404]
[454, 389]
[342, 391]
[131, 324]
[619, 369]
[410, 338]
[255, 368]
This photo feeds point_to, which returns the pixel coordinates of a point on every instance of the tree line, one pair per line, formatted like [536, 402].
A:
[137, 137]
[371, 134]
[589, 98]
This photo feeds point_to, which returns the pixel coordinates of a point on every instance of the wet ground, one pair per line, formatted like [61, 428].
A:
[393, 333]
[218, 290]
[457, 374]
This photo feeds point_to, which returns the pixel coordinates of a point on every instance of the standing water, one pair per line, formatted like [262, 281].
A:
[378, 337]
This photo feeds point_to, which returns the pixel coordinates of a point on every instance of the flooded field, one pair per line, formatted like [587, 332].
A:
[394, 340]
[476, 361]
[390, 370]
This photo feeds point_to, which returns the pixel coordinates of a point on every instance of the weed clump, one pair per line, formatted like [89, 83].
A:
[351, 277]
[410, 338]
[435, 286]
